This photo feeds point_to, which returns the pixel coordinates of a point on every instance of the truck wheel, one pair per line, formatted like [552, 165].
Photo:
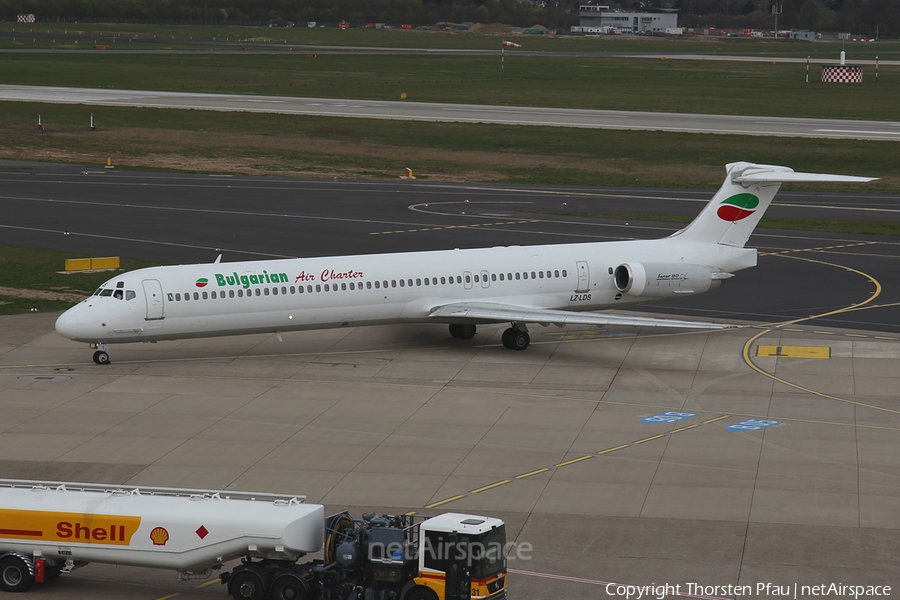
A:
[246, 585]
[421, 593]
[290, 587]
[14, 575]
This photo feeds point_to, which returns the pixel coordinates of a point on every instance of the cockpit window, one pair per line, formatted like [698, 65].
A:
[129, 295]
[117, 294]
[97, 293]
[106, 292]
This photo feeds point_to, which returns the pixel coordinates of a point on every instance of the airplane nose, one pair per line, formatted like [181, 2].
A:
[67, 324]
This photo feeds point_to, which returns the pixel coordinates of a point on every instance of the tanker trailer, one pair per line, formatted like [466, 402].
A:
[48, 528]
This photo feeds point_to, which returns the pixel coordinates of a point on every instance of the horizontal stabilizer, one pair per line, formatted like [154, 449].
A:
[495, 312]
[751, 176]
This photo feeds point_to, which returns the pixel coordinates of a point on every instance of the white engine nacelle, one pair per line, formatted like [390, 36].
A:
[664, 280]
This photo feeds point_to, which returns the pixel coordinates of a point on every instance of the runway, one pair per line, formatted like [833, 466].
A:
[464, 113]
[777, 467]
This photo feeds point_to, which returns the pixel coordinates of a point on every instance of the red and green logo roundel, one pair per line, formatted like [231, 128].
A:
[737, 207]
[203, 281]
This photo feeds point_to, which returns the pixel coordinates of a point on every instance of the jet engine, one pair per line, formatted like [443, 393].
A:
[664, 280]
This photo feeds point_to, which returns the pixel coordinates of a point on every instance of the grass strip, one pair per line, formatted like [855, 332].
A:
[306, 146]
[35, 276]
[833, 226]
[774, 89]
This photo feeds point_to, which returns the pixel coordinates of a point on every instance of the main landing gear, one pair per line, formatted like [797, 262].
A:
[463, 332]
[514, 338]
[101, 356]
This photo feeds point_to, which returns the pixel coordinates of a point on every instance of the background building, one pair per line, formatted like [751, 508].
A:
[600, 19]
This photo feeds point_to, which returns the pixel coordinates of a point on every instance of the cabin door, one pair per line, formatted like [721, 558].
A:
[154, 297]
[584, 277]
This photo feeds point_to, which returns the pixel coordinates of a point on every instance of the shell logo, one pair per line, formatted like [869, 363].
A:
[202, 282]
[159, 536]
[737, 207]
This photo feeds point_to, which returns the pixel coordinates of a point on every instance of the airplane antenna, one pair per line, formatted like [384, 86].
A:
[218, 259]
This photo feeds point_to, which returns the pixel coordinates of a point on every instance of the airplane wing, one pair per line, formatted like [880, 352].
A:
[490, 311]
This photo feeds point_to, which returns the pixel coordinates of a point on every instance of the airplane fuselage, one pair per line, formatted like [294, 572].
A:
[217, 299]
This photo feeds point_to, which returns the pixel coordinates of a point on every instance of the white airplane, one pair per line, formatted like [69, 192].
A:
[521, 285]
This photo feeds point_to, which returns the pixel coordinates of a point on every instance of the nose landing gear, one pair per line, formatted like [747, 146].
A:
[101, 356]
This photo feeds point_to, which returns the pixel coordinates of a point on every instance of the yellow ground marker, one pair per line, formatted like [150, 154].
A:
[655, 437]
[436, 504]
[524, 475]
[569, 462]
[794, 351]
[613, 449]
[487, 487]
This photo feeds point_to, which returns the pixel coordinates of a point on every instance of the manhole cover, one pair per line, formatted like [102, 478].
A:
[45, 377]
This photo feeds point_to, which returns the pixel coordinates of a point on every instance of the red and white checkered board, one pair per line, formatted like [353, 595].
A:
[841, 74]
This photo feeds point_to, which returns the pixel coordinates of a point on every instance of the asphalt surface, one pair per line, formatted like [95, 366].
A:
[559, 441]
[464, 113]
[181, 218]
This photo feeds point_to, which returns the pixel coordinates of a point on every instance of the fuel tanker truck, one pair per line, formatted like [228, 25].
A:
[51, 528]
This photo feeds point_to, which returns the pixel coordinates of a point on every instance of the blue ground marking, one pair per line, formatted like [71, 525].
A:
[751, 425]
[666, 417]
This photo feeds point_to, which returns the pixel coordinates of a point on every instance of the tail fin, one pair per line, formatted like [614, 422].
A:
[735, 210]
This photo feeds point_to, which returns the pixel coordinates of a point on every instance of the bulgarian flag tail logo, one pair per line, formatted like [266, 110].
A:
[203, 281]
[737, 207]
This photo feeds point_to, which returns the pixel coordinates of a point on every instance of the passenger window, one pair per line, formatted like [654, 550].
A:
[266, 291]
[468, 279]
[509, 276]
[556, 273]
[352, 287]
[394, 283]
[476, 279]
[525, 275]
[240, 293]
[501, 276]
[443, 281]
[409, 282]
[213, 294]
[177, 297]
[292, 290]
[517, 277]
[458, 279]
[418, 282]
[426, 281]
[129, 295]
[377, 285]
[401, 283]
[196, 296]
[309, 289]
[565, 274]
[369, 285]
[274, 291]
[257, 291]
[532, 275]
[205, 296]
[434, 281]
[284, 290]
[541, 273]
[493, 277]
[327, 288]
[318, 288]
[231, 293]
[548, 274]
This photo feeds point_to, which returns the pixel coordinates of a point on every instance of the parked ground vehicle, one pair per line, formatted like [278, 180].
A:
[49, 528]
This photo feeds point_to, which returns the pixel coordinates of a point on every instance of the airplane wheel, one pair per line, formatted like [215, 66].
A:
[463, 332]
[14, 575]
[101, 357]
[515, 339]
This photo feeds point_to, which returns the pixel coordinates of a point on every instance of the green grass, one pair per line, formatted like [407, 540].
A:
[765, 88]
[394, 38]
[36, 269]
[323, 147]
[833, 226]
